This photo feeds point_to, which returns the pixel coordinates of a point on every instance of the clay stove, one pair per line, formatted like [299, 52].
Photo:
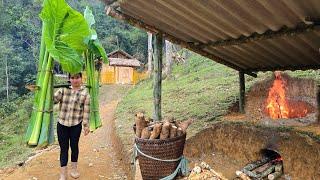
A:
[283, 100]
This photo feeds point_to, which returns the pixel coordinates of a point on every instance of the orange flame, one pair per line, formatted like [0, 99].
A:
[277, 106]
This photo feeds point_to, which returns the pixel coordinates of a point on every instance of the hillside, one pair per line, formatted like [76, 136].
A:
[13, 122]
[20, 29]
[199, 89]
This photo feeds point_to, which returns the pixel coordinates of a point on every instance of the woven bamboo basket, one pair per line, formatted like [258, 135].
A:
[163, 149]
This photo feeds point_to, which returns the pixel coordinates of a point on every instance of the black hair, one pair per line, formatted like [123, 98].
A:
[69, 75]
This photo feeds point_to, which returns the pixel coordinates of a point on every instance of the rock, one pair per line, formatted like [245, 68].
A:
[197, 169]
[204, 165]
[287, 177]
[204, 171]
[90, 164]
[34, 178]
[20, 163]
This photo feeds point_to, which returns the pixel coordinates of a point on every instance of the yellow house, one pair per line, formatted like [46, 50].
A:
[122, 69]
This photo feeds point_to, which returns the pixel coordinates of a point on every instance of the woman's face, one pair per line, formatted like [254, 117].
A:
[76, 80]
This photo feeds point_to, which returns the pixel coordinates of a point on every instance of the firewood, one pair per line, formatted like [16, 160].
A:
[278, 167]
[274, 175]
[242, 175]
[156, 131]
[179, 131]
[146, 132]
[268, 171]
[140, 123]
[173, 131]
[262, 167]
[255, 164]
[165, 131]
[185, 124]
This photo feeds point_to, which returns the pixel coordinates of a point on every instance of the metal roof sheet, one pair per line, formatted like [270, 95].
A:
[217, 27]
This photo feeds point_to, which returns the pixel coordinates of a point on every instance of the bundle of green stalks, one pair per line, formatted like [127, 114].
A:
[40, 129]
[93, 53]
[95, 121]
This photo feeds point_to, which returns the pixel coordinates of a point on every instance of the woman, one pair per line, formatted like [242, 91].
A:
[74, 110]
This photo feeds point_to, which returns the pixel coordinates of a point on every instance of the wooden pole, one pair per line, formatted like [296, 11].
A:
[149, 53]
[169, 62]
[318, 102]
[242, 91]
[157, 77]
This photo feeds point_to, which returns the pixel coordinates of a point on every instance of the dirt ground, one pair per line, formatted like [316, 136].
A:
[100, 156]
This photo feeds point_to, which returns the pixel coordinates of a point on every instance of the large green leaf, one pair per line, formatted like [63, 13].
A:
[92, 40]
[89, 16]
[68, 58]
[99, 50]
[65, 31]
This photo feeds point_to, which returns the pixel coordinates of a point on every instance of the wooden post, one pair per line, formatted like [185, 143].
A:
[318, 102]
[169, 62]
[149, 53]
[157, 77]
[242, 91]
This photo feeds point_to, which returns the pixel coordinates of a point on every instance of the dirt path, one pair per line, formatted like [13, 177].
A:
[99, 157]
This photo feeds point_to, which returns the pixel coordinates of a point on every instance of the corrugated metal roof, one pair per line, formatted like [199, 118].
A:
[208, 22]
[124, 62]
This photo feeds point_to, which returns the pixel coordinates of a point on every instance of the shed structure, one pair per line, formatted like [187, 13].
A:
[248, 36]
[122, 69]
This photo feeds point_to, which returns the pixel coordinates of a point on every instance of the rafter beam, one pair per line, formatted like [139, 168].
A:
[110, 2]
[290, 68]
[269, 34]
[110, 11]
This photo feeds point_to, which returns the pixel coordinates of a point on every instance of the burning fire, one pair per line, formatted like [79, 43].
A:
[278, 106]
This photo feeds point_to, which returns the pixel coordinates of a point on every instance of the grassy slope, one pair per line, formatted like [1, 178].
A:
[13, 128]
[200, 89]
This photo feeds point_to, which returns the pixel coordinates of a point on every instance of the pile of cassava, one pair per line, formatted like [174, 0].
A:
[146, 128]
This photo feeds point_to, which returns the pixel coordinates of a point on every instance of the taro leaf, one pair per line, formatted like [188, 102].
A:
[89, 16]
[99, 50]
[65, 31]
[92, 40]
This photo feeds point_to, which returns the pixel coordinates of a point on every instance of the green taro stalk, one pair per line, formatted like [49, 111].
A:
[94, 51]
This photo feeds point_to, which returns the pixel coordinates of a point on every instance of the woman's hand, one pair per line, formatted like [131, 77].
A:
[86, 131]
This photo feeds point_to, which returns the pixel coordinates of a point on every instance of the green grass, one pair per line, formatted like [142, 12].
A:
[199, 89]
[13, 127]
